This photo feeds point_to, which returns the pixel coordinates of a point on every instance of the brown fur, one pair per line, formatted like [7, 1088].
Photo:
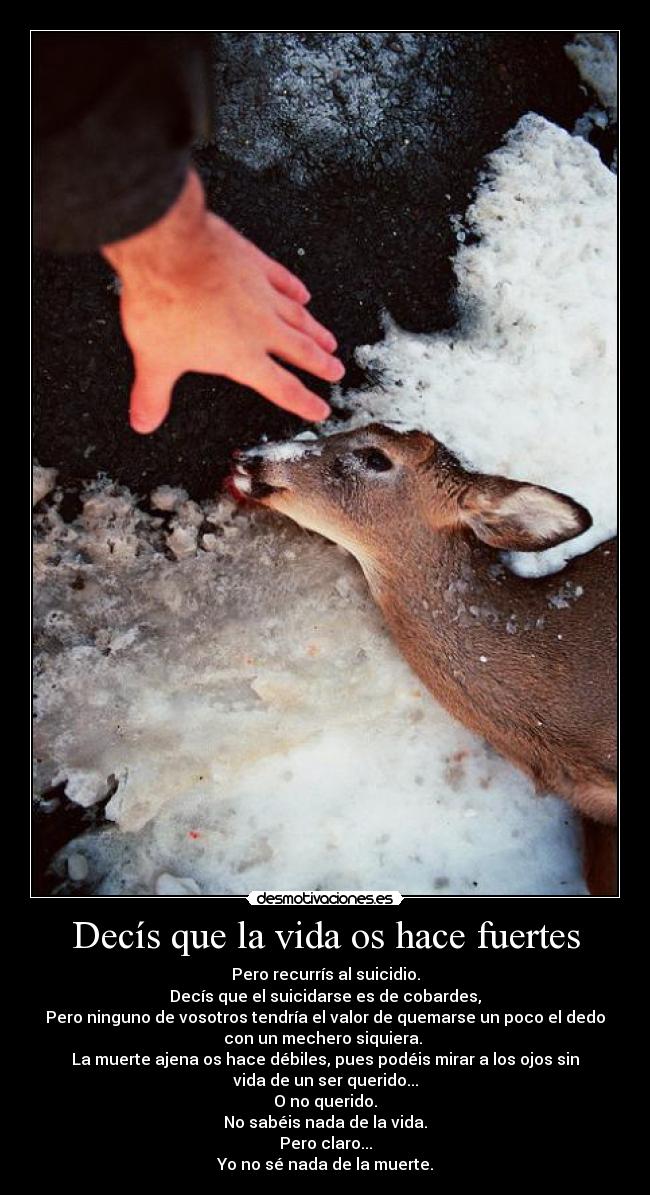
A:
[529, 664]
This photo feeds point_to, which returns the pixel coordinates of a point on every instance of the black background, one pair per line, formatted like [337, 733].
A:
[500, 1126]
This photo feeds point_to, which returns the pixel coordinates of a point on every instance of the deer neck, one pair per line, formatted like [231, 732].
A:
[438, 575]
[453, 609]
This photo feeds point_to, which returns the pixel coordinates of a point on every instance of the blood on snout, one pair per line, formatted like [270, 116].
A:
[230, 487]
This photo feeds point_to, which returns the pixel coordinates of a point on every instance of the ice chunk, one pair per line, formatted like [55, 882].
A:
[77, 867]
[167, 497]
[43, 481]
[169, 885]
[84, 787]
[182, 541]
[287, 450]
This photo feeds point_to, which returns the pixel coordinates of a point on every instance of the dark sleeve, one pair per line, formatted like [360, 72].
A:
[114, 117]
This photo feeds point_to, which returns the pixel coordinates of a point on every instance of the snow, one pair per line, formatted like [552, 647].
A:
[260, 725]
[525, 384]
[224, 678]
[170, 885]
[373, 99]
[182, 541]
[77, 867]
[288, 450]
[595, 55]
[167, 497]
[309, 99]
[43, 481]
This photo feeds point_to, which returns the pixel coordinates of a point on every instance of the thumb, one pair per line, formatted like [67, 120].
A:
[151, 397]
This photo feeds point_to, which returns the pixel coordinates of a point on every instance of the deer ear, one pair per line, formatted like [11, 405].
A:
[517, 517]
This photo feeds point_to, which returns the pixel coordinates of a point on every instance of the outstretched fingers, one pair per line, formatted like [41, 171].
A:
[285, 390]
[303, 352]
[296, 316]
[286, 282]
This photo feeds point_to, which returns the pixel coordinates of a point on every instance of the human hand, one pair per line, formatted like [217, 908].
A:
[198, 296]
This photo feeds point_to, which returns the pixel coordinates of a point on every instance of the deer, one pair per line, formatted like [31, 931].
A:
[527, 663]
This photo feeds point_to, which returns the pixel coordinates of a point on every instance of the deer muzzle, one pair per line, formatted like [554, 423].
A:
[251, 477]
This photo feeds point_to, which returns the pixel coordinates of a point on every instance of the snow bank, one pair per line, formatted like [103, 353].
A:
[43, 481]
[525, 385]
[258, 721]
[225, 675]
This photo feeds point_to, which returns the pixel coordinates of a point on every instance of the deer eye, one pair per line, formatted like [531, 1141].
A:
[374, 459]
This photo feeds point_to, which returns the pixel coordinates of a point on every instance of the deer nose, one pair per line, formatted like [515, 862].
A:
[247, 459]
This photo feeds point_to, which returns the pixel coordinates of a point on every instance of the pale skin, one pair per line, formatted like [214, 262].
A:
[198, 296]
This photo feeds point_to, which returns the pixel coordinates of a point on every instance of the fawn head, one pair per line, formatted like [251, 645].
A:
[373, 489]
